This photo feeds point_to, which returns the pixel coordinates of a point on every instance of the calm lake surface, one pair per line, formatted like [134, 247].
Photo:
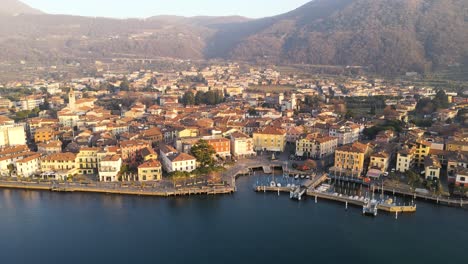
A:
[247, 227]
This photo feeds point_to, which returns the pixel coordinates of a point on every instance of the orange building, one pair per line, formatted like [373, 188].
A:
[131, 148]
[222, 146]
[44, 134]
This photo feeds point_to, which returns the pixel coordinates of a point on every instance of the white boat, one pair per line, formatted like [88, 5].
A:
[296, 177]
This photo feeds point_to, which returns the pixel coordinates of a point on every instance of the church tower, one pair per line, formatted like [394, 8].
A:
[71, 100]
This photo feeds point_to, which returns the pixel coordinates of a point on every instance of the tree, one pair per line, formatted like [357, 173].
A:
[204, 153]
[252, 112]
[349, 114]
[188, 98]
[199, 97]
[311, 100]
[11, 168]
[413, 178]
[441, 100]
[124, 85]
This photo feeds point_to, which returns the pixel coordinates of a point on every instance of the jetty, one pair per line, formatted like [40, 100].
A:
[443, 200]
[348, 200]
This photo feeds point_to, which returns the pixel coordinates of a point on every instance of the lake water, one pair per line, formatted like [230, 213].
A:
[247, 227]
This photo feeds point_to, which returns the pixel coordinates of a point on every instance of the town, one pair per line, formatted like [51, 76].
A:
[189, 129]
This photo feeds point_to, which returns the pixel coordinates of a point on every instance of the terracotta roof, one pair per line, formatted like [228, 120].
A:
[68, 156]
[181, 157]
[111, 158]
[269, 130]
[150, 164]
[28, 159]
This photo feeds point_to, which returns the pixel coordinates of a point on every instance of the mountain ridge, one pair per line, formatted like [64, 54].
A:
[385, 36]
[15, 7]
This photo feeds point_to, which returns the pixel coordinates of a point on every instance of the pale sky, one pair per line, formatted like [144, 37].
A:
[147, 8]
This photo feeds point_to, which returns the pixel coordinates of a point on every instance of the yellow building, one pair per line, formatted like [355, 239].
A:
[422, 150]
[150, 171]
[58, 162]
[457, 146]
[380, 161]
[87, 161]
[350, 158]
[187, 133]
[270, 139]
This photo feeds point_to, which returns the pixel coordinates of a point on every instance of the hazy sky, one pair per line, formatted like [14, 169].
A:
[147, 8]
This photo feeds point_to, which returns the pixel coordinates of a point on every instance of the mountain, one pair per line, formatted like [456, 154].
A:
[388, 36]
[385, 36]
[14, 7]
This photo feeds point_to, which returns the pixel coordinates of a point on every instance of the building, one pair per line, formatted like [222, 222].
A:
[380, 161]
[432, 167]
[316, 146]
[346, 134]
[87, 161]
[10, 155]
[109, 167]
[12, 135]
[222, 146]
[50, 147]
[405, 159]
[67, 118]
[131, 149]
[422, 150]
[72, 100]
[29, 165]
[151, 170]
[350, 158]
[62, 163]
[148, 154]
[455, 145]
[270, 139]
[173, 161]
[461, 179]
[44, 134]
[242, 145]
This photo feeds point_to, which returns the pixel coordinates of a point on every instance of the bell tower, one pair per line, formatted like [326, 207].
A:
[71, 100]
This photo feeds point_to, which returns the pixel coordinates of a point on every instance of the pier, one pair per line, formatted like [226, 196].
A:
[404, 192]
[357, 202]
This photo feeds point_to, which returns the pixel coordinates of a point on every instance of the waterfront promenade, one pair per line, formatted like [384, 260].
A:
[117, 188]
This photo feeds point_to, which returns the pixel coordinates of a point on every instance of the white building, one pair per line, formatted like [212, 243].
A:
[29, 166]
[174, 161]
[68, 119]
[242, 145]
[347, 134]
[109, 168]
[404, 160]
[12, 135]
